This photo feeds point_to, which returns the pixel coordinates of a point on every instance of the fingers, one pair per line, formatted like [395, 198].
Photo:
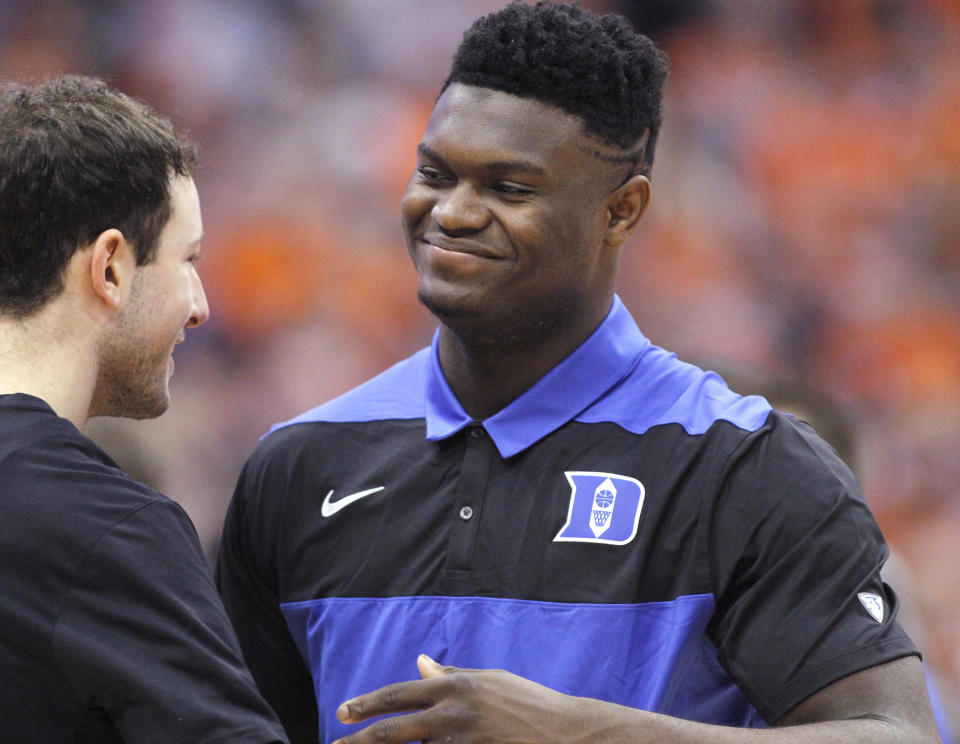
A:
[399, 697]
[429, 668]
[393, 730]
[448, 701]
[394, 698]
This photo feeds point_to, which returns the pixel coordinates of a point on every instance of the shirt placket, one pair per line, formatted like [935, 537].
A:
[471, 490]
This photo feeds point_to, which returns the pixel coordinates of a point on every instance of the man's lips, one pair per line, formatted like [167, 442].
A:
[465, 247]
[170, 362]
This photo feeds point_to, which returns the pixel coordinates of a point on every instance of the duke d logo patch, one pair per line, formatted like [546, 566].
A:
[604, 508]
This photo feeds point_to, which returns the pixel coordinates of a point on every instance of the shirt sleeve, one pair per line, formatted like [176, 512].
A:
[248, 579]
[143, 638]
[797, 560]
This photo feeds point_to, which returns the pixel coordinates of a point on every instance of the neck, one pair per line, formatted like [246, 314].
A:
[57, 367]
[489, 369]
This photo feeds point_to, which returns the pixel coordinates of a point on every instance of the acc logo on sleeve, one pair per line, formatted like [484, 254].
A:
[873, 604]
[604, 508]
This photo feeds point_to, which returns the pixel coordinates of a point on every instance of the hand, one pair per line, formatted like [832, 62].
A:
[884, 704]
[461, 706]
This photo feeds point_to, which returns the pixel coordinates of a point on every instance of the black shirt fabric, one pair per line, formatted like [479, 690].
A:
[628, 529]
[111, 629]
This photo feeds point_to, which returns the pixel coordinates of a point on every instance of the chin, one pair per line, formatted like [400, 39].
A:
[151, 411]
[132, 402]
[450, 305]
[442, 310]
[153, 403]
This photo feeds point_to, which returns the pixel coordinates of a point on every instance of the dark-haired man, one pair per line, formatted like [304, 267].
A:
[644, 554]
[111, 629]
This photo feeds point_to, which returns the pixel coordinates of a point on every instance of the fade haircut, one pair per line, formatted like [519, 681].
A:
[596, 67]
[78, 158]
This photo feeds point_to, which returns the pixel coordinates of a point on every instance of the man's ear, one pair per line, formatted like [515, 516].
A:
[625, 206]
[112, 263]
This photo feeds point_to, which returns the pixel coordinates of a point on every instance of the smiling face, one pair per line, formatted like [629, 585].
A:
[166, 298]
[506, 216]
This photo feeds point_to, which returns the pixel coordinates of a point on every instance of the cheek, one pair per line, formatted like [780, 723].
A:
[561, 235]
[569, 247]
[171, 303]
[589, 227]
[415, 204]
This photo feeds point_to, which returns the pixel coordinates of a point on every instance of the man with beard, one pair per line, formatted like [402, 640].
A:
[110, 626]
[645, 555]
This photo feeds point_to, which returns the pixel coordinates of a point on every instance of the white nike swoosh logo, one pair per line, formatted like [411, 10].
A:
[328, 509]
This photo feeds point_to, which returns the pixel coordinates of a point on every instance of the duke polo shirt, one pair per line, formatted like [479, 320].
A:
[628, 529]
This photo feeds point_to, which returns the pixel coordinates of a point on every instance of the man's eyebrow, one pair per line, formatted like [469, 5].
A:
[516, 166]
[606, 157]
[498, 166]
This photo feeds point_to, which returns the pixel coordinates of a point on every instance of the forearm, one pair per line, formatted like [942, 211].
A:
[597, 722]
[886, 704]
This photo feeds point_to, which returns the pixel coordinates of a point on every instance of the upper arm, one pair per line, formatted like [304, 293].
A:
[248, 581]
[801, 603]
[894, 692]
[143, 636]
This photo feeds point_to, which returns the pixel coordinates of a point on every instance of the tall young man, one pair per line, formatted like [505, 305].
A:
[645, 555]
[111, 629]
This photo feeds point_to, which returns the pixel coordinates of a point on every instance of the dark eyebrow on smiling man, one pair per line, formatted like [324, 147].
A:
[499, 166]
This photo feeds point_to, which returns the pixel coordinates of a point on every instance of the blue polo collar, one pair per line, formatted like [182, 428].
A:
[599, 363]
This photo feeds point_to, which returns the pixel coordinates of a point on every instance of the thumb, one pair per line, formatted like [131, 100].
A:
[428, 667]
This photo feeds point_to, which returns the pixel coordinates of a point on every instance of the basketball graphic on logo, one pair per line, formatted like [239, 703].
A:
[603, 499]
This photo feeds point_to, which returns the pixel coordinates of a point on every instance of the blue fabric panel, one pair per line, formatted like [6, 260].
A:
[652, 656]
[616, 376]
[663, 390]
[597, 365]
[396, 393]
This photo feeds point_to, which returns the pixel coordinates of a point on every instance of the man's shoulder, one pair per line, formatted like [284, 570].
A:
[62, 489]
[396, 393]
[663, 390]
[54, 464]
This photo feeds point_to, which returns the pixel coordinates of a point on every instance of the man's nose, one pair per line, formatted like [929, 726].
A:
[460, 209]
[201, 310]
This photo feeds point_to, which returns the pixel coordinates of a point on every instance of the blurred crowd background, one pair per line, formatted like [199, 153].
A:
[804, 228]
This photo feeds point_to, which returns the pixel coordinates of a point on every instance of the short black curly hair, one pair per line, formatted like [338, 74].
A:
[596, 67]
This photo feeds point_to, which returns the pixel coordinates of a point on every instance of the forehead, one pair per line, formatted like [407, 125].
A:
[493, 125]
[185, 220]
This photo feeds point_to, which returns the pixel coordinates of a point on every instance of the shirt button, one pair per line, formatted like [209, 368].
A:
[478, 432]
[465, 513]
